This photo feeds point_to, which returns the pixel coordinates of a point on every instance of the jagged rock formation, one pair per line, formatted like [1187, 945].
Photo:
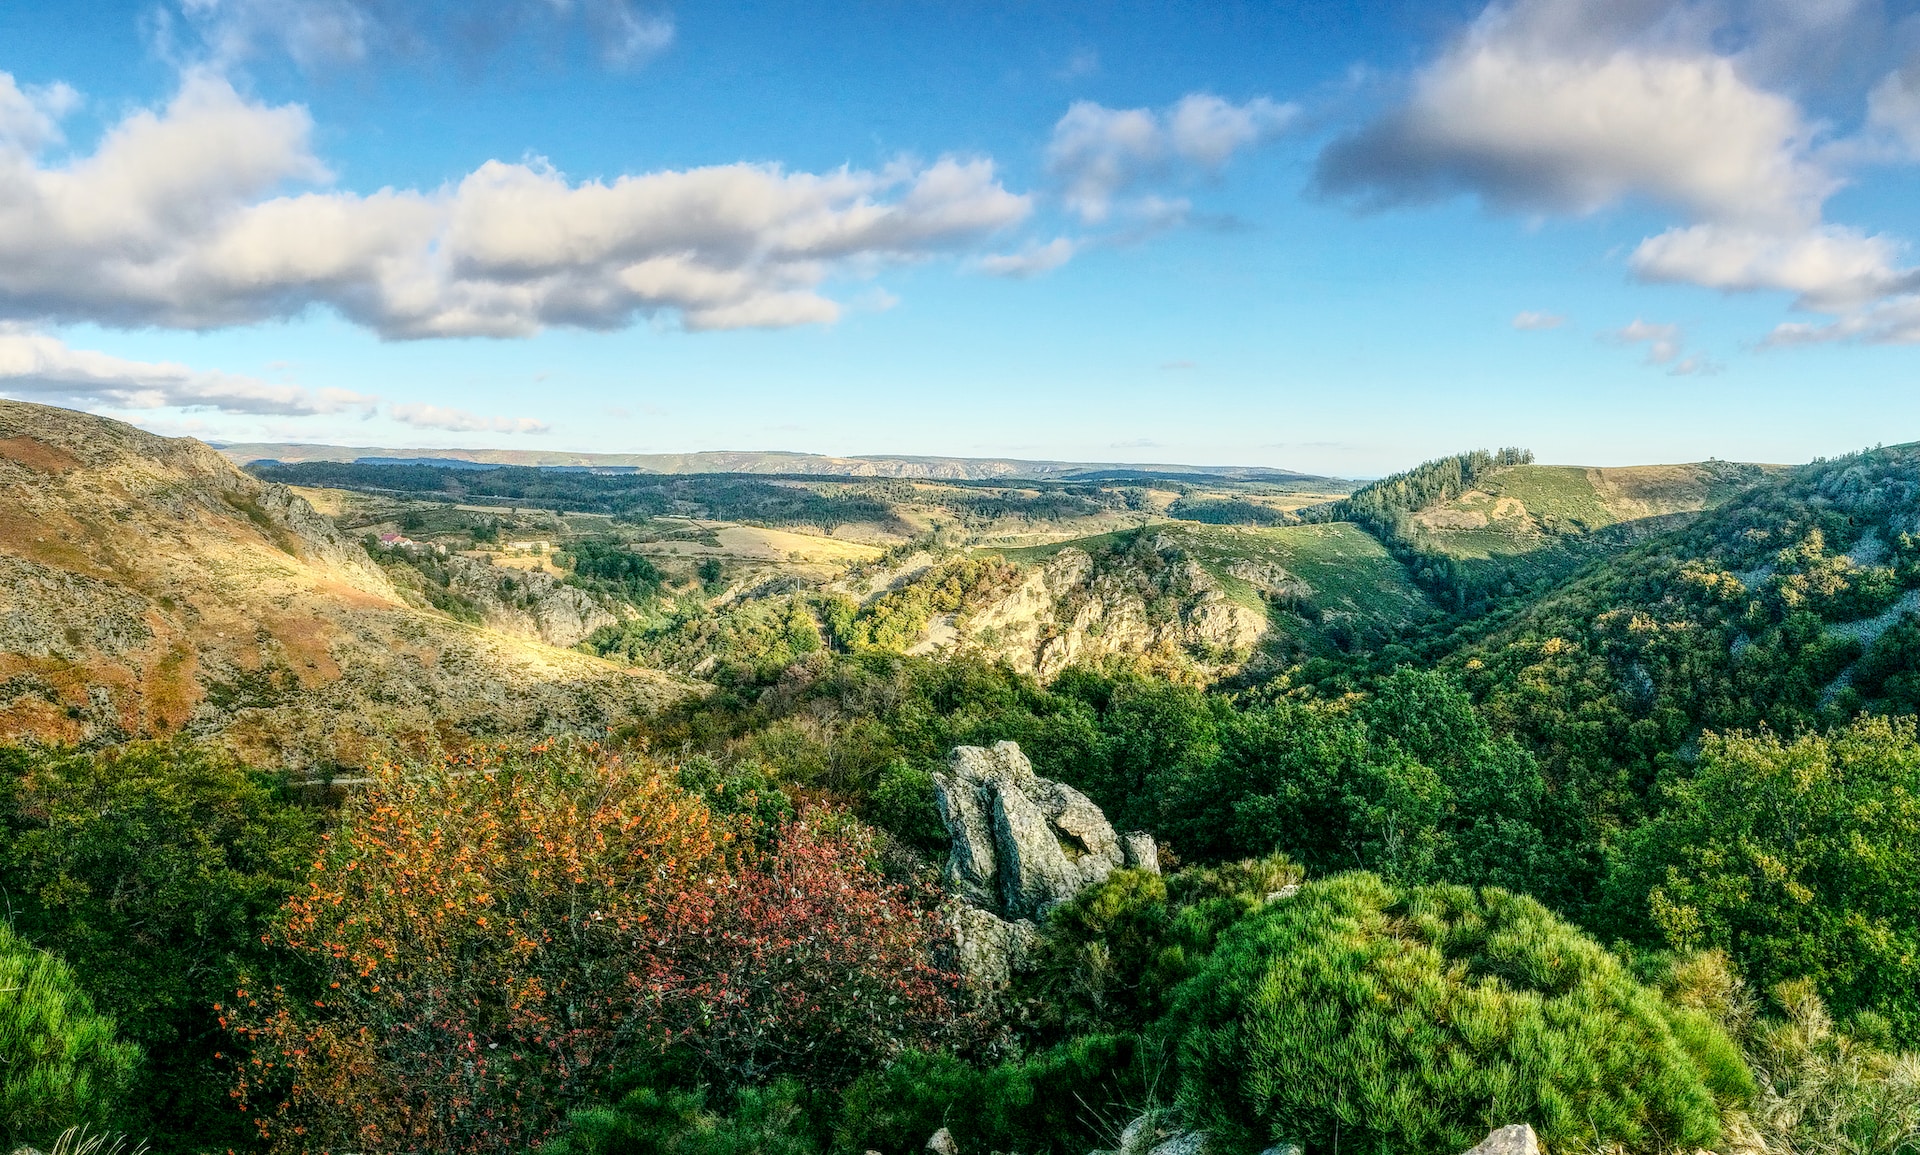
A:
[147, 586]
[1070, 610]
[530, 604]
[1020, 846]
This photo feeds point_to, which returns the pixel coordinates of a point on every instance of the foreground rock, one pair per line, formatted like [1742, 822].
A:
[1020, 846]
[1513, 1139]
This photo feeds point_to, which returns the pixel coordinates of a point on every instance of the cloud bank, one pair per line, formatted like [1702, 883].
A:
[1570, 107]
[38, 367]
[213, 211]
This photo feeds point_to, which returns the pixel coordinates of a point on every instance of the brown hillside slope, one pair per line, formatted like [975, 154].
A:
[147, 587]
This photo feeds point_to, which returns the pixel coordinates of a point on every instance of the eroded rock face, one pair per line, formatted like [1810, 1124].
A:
[1020, 846]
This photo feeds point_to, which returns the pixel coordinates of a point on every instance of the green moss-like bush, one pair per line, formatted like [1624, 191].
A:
[1417, 1020]
[1060, 1101]
[60, 1063]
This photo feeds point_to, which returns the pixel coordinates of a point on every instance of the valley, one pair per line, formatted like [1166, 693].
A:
[1056, 760]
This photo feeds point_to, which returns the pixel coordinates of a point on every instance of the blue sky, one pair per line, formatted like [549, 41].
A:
[1334, 237]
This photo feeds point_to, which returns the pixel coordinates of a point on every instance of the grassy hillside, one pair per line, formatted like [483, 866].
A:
[1335, 567]
[1518, 509]
[147, 586]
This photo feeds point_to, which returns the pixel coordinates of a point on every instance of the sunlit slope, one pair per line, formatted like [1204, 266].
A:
[1790, 605]
[1518, 509]
[1314, 585]
[147, 587]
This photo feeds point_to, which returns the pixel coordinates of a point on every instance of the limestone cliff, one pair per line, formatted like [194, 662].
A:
[1151, 602]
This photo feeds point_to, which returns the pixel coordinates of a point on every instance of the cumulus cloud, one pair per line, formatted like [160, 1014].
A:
[30, 117]
[1829, 267]
[1030, 261]
[1574, 106]
[212, 211]
[423, 416]
[1535, 128]
[1530, 321]
[1098, 153]
[324, 34]
[37, 367]
[1666, 347]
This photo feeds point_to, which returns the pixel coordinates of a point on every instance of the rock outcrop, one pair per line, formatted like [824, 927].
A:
[1020, 846]
[1073, 610]
[1513, 1139]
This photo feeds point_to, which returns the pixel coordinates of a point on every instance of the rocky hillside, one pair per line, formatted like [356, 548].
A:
[147, 586]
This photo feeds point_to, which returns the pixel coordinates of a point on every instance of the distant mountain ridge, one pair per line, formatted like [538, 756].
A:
[771, 462]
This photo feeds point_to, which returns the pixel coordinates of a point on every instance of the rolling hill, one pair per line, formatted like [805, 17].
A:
[1790, 605]
[147, 586]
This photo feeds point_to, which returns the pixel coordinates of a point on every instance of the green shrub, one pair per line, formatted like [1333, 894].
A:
[1112, 956]
[1415, 1021]
[152, 870]
[765, 1121]
[59, 1060]
[1068, 1099]
[1797, 858]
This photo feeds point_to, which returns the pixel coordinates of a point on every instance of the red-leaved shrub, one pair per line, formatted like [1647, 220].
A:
[482, 943]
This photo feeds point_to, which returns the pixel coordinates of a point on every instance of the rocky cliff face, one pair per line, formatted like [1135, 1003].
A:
[1071, 610]
[149, 587]
[529, 604]
[1020, 846]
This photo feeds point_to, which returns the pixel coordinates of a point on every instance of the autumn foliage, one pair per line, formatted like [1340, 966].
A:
[487, 941]
[812, 966]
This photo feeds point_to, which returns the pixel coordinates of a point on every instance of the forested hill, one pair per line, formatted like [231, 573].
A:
[1480, 530]
[1790, 607]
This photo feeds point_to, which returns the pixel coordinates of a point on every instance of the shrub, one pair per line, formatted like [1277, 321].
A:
[1111, 957]
[486, 938]
[812, 964]
[1069, 1098]
[1797, 859]
[1393, 1021]
[647, 1121]
[59, 1060]
[153, 870]
[1822, 1090]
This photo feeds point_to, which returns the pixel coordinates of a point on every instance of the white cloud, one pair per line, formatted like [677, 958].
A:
[1528, 320]
[1575, 106]
[1663, 341]
[1895, 321]
[1893, 114]
[1829, 267]
[1097, 153]
[34, 366]
[30, 117]
[1029, 262]
[193, 217]
[323, 34]
[1532, 129]
[424, 416]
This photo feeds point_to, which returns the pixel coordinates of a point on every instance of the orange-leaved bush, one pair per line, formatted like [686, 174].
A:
[482, 941]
